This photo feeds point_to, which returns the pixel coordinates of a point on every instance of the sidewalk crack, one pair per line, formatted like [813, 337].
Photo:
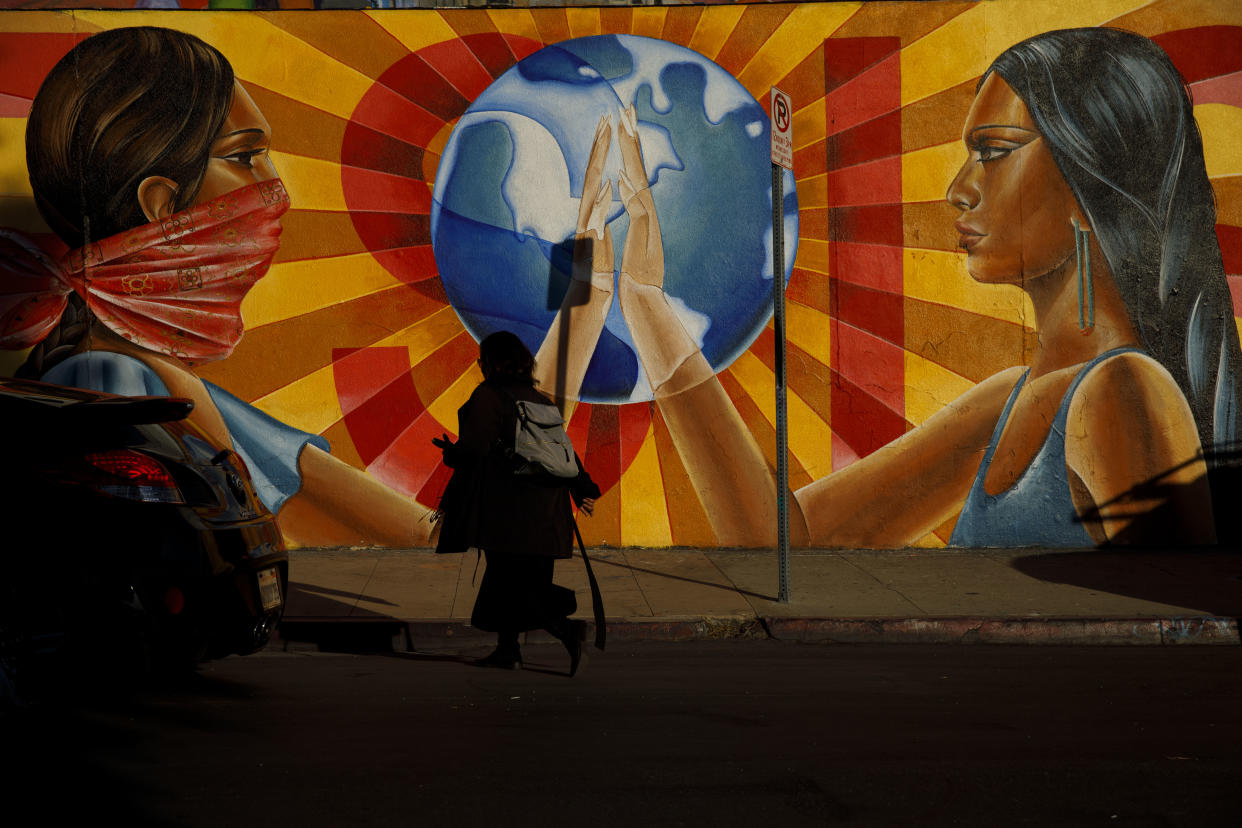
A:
[889, 587]
[362, 593]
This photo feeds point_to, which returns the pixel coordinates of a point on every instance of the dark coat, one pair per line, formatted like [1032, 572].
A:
[485, 504]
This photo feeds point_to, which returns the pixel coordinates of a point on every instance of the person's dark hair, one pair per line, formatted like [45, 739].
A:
[123, 105]
[1118, 120]
[503, 356]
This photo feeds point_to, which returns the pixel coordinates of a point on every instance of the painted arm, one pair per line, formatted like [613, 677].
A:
[899, 493]
[725, 465]
[339, 505]
[562, 359]
[1136, 465]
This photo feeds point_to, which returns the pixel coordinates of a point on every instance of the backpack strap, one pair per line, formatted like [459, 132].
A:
[597, 600]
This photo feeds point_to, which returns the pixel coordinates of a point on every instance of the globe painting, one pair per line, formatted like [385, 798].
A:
[509, 182]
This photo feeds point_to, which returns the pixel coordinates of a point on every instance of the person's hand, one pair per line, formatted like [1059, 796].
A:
[443, 442]
[643, 258]
[593, 179]
[593, 250]
[587, 506]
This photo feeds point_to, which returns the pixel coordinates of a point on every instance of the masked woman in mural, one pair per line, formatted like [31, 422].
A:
[150, 161]
[1085, 187]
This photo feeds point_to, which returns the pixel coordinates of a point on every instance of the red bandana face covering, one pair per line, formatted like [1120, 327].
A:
[174, 286]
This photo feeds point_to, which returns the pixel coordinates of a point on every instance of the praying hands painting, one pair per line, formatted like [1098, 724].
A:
[1012, 243]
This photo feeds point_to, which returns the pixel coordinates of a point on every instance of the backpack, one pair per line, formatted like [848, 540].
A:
[540, 444]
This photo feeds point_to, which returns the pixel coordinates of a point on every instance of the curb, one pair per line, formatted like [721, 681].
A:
[381, 634]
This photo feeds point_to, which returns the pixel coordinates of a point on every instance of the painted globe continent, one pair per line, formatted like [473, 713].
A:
[510, 179]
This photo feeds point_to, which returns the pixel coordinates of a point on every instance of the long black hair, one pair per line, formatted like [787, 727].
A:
[1118, 120]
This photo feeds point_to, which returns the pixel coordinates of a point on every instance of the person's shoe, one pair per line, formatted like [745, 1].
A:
[501, 658]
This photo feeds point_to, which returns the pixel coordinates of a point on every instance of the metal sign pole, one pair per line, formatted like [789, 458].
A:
[782, 435]
[782, 159]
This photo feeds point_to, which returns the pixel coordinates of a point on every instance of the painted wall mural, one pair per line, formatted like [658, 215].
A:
[1012, 293]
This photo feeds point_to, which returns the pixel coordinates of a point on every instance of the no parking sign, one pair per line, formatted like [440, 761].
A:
[782, 129]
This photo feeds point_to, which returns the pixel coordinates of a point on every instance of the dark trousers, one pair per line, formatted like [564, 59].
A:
[517, 594]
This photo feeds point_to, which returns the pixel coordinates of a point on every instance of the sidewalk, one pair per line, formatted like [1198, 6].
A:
[417, 599]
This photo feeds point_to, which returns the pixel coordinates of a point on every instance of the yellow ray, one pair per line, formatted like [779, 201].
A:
[930, 387]
[1221, 125]
[810, 439]
[813, 192]
[21, 214]
[309, 403]
[809, 330]
[963, 47]
[40, 22]
[263, 54]
[644, 509]
[939, 276]
[713, 29]
[293, 288]
[926, 173]
[426, 336]
[929, 541]
[313, 184]
[649, 21]
[444, 407]
[13, 177]
[812, 255]
[416, 30]
[810, 124]
[800, 34]
[515, 22]
[583, 22]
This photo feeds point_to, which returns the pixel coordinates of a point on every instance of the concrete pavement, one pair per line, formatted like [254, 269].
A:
[415, 598]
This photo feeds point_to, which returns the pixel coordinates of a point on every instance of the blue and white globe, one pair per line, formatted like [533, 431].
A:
[510, 179]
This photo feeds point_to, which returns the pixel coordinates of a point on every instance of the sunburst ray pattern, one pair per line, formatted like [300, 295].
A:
[352, 334]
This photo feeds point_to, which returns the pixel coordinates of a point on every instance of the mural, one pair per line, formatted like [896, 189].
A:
[1010, 292]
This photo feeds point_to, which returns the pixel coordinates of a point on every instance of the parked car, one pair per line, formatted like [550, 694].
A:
[131, 536]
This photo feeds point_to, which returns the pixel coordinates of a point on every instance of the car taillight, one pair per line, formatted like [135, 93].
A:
[131, 475]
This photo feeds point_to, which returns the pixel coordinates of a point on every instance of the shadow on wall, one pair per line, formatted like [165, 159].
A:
[1205, 578]
[1148, 522]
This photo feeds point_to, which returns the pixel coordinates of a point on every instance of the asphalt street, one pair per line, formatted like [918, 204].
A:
[742, 733]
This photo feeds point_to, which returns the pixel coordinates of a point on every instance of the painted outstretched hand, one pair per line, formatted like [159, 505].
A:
[643, 257]
[593, 251]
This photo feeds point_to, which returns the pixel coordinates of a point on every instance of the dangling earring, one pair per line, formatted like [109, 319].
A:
[1086, 291]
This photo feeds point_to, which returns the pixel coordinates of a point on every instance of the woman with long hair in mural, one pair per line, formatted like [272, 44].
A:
[150, 161]
[1086, 188]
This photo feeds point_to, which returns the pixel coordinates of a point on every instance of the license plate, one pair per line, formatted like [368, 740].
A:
[269, 588]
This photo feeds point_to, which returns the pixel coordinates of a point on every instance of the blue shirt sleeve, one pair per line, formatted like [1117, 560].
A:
[269, 447]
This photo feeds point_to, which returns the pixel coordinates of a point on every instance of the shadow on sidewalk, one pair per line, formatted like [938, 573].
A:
[1207, 581]
[598, 561]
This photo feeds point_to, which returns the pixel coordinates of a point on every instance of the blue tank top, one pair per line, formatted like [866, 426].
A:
[1037, 510]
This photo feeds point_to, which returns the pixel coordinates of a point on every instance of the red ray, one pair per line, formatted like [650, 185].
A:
[871, 93]
[1203, 52]
[377, 396]
[388, 112]
[365, 148]
[417, 80]
[26, 58]
[372, 191]
[459, 66]
[1226, 89]
[492, 51]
